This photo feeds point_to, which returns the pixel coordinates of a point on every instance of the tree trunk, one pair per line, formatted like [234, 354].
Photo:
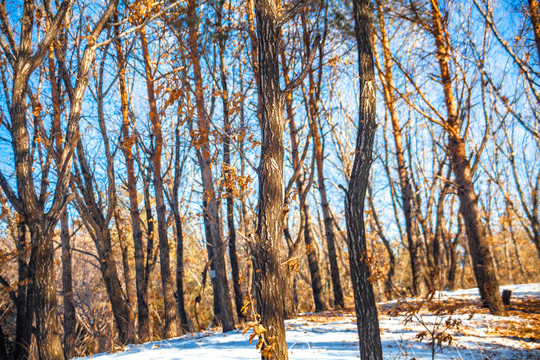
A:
[179, 233]
[267, 255]
[211, 210]
[25, 313]
[366, 308]
[70, 321]
[483, 269]
[313, 261]
[48, 335]
[534, 15]
[127, 143]
[171, 326]
[413, 245]
[228, 172]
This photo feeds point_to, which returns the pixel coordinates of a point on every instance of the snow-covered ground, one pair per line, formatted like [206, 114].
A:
[334, 336]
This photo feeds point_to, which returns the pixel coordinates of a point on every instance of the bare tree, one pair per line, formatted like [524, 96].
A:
[359, 258]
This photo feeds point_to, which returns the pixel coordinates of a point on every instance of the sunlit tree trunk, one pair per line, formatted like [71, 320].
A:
[483, 269]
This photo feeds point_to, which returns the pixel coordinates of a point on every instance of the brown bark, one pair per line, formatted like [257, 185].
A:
[127, 142]
[228, 171]
[483, 269]
[267, 256]
[534, 15]
[366, 308]
[211, 210]
[179, 233]
[28, 203]
[25, 314]
[171, 326]
[67, 283]
[413, 245]
[97, 224]
[313, 100]
[388, 284]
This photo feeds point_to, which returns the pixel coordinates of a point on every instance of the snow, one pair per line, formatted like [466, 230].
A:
[334, 336]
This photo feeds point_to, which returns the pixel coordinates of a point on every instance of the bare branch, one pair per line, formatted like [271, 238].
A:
[296, 82]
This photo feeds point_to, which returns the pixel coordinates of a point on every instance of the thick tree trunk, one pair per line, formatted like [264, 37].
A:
[211, 210]
[267, 255]
[366, 308]
[48, 335]
[483, 269]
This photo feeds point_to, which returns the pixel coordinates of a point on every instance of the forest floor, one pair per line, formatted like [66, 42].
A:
[454, 320]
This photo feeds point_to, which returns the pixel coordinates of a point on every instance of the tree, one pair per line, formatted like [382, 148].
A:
[27, 202]
[267, 256]
[359, 258]
[476, 234]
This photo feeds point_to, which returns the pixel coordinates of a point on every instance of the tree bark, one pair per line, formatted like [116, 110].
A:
[483, 269]
[366, 308]
[171, 326]
[267, 256]
[534, 15]
[214, 234]
[228, 172]
[127, 142]
[25, 314]
[413, 245]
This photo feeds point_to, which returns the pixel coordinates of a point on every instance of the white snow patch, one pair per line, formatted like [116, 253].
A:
[337, 338]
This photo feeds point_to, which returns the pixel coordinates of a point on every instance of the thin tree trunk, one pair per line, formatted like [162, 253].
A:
[25, 314]
[313, 262]
[214, 234]
[404, 181]
[366, 308]
[127, 143]
[228, 172]
[171, 314]
[179, 233]
[483, 269]
[67, 283]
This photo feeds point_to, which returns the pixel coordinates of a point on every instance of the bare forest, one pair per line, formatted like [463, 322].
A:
[167, 167]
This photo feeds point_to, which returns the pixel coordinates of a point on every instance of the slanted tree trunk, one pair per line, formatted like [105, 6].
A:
[364, 297]
[214, 234]
[167, 283]
[482, 260]
[413, 245]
